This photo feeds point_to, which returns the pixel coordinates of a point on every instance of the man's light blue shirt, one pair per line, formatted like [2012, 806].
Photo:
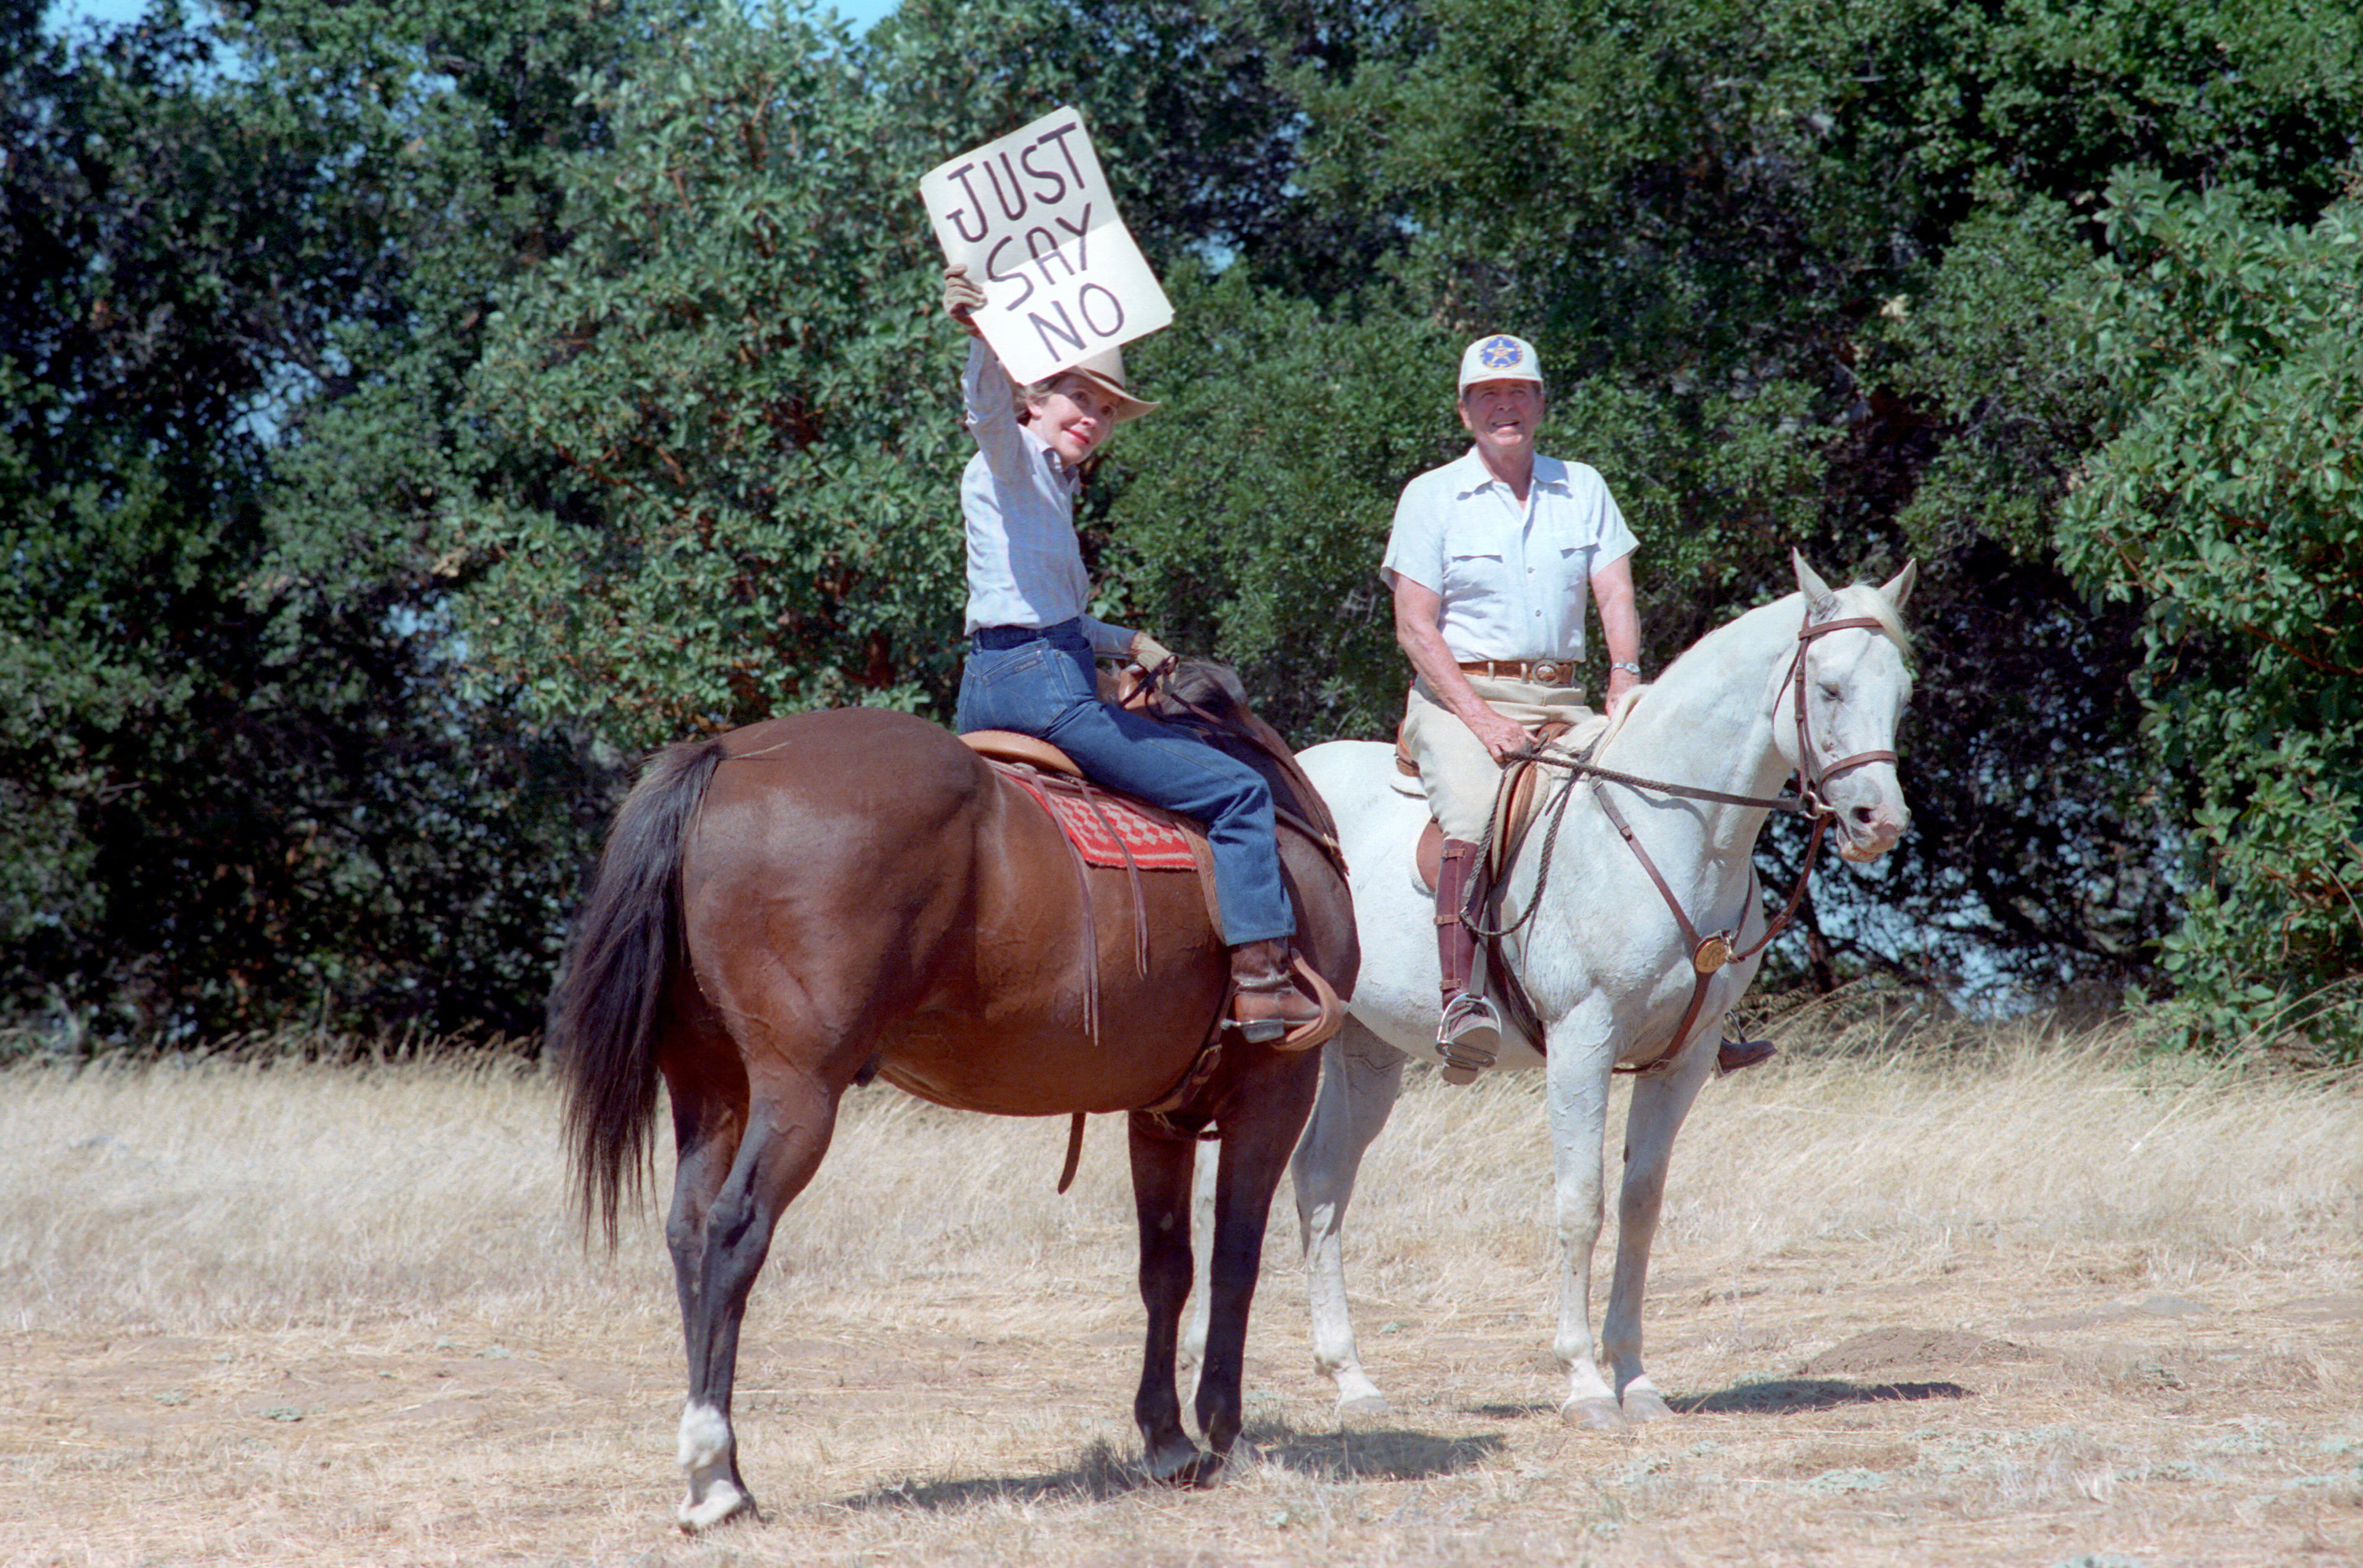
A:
[1515, 579]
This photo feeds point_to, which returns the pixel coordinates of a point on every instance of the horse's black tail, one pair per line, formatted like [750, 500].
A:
[626, 942]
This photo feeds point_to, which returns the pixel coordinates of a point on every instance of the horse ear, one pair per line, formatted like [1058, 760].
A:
[1818, 596]
[1899, 588]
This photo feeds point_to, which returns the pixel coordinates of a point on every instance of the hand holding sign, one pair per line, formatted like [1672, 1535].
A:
[962, 298]
[1032, 218]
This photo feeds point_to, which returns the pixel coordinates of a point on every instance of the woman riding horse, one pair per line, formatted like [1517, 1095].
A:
[1031, 646]
[828, 898]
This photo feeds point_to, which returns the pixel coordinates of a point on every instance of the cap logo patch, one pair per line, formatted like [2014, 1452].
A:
[1499, 353]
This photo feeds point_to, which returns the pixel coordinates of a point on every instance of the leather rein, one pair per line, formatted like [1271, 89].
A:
[1710, 953]
[1157, 1117]
[1321, 837]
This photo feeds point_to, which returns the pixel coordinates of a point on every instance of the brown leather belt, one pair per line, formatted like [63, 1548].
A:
[1541, 671]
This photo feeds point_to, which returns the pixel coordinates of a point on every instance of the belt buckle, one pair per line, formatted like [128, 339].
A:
[1547, 671]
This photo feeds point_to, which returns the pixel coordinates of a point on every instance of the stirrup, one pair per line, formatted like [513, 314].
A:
[1731, 1055]
[1469, 1037]
[1298, 1033]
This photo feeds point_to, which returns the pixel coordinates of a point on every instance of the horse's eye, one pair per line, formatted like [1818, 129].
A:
[1831, 691]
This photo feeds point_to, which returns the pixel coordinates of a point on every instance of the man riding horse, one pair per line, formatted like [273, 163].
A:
[1491, 561]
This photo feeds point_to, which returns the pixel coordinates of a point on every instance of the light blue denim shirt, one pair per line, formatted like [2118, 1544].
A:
[1017, 498]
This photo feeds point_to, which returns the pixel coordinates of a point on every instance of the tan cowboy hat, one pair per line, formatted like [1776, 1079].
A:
[1106, 372]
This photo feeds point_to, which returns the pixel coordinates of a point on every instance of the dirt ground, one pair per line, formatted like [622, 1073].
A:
[2023, 1396]
[1826, 1419]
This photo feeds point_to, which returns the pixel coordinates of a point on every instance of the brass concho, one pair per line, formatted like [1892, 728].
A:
[1714, 953]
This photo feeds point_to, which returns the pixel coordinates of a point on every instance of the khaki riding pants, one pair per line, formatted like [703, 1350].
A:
[1459, 774]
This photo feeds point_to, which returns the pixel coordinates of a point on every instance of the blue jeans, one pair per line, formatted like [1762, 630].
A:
[1046, 686]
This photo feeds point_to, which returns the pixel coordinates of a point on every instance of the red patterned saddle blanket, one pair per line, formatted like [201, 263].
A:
[1109, 830]
[1106, 829]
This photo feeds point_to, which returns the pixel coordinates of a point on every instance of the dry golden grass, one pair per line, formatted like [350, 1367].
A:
[2024, 1302]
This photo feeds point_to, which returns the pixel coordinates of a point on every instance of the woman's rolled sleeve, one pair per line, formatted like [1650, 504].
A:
[990, 397]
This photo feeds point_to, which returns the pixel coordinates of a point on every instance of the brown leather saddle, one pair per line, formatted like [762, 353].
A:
[1122, 822]
[1523, 794]
[1037, 768]
[1042, 770]
[1008, 746]
[1518, 801]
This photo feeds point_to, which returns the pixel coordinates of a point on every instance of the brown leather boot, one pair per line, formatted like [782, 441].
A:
[1265, 1001]
[1469, 1031]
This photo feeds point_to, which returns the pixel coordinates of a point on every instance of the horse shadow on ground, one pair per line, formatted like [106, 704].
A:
[1776, 1396]
[1101, 1473]
[1768, 1397]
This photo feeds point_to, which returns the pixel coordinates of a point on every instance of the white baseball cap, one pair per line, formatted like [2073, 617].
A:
[1500, 357]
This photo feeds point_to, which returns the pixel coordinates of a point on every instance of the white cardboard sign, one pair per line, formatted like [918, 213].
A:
[1032, 217]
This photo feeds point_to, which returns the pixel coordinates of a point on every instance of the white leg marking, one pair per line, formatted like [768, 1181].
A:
[1193, 1352]
[707, 1459]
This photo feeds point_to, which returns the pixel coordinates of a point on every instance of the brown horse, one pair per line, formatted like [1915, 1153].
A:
[799, 906]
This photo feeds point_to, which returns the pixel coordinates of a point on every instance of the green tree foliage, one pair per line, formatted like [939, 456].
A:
[739, 367]
[238, 786]
[2227, 504]
[1194, 108]
[442, 130]
[1799, 271]
[1249, 512]
[588, 349]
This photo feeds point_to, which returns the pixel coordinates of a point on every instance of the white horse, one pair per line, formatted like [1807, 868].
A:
[1616, 963]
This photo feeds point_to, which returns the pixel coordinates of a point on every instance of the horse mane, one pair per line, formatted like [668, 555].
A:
[1869, 601]
[1207, 697]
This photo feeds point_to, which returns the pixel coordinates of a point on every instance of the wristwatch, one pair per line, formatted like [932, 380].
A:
[1620, 664]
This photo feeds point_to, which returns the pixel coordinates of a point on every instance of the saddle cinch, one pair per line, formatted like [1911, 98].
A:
[1116, 832]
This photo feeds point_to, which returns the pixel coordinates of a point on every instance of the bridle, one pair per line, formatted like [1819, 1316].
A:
[1714, 951]
[1810, 779]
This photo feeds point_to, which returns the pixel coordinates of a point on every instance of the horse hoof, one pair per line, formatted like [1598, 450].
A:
[1185, 1469]
[1593, 1415]
[1363, 1411]
[722, 1504]
[1645, 1405]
